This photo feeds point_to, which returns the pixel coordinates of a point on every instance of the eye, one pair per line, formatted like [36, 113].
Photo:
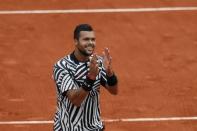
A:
[86, 39]
[93, 39]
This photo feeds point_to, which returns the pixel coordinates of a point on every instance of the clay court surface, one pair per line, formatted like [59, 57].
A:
[154, 54]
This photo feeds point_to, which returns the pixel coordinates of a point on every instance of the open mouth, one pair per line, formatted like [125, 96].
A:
[90, 48]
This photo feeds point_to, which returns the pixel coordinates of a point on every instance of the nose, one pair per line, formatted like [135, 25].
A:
[91, 41]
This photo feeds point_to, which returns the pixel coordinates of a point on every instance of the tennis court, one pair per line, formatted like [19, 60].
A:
[153, 45]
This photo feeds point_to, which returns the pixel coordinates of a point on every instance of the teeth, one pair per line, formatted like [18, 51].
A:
[89, 46]
[90, 57]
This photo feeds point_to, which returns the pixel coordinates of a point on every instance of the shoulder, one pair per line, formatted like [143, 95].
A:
[62, 62]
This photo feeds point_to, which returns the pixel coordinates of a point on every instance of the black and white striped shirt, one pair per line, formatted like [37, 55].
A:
[69, 74]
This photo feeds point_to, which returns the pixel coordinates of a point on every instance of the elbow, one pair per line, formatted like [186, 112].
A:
[76, 102]
[114, 92]
[74, 99]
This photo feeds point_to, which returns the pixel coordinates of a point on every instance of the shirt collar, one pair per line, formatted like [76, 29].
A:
[73, 57]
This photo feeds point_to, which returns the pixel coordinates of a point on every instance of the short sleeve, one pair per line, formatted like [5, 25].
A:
[63, 79]
[103, 77]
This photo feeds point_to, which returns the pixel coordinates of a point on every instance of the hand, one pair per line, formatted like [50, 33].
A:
[94, 70]
[107, 62]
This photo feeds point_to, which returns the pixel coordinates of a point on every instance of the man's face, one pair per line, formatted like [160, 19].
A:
[86, 43]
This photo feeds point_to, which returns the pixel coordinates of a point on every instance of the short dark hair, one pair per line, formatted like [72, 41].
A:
[81, 27]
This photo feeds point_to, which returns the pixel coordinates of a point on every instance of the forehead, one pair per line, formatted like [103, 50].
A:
[89, 34]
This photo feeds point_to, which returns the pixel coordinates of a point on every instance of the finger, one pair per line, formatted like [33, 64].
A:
[93, 68]
[107, 54]
[97, 69]
[107, 50]
[104, 53]
[110, 60]
[90, 58]
[95, 59]
[103, 57]
[95, 56]
[96, 66]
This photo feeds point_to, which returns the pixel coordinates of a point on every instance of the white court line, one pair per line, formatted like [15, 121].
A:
[73, 11]
[153, 119]
[107, 120]
[115, 10]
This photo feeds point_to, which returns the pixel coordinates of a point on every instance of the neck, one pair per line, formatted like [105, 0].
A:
[80, 57]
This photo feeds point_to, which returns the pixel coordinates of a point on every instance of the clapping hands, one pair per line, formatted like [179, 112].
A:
[94, 65]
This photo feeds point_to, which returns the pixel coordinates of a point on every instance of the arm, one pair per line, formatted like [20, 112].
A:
[62, 77]
[76, 96]
[112, 89]
[112, 81]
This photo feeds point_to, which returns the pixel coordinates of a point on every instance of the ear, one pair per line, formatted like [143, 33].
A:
[76, 41]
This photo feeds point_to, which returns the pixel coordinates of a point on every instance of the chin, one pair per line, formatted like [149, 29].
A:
[89, 53]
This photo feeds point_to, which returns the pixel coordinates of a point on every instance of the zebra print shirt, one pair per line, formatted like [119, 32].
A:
[69, 74]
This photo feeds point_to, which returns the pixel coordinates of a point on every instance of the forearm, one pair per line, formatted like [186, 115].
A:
[113, 89]
[77, 96]
[112, 84]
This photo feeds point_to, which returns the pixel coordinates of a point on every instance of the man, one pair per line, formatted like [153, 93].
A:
[78, 77]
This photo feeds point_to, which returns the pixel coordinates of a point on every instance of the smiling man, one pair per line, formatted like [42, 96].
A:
[78, 77]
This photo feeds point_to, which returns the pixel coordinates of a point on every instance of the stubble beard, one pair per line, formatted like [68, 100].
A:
[83, 52]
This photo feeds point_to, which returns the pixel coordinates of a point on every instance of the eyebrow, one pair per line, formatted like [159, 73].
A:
[87, 38]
